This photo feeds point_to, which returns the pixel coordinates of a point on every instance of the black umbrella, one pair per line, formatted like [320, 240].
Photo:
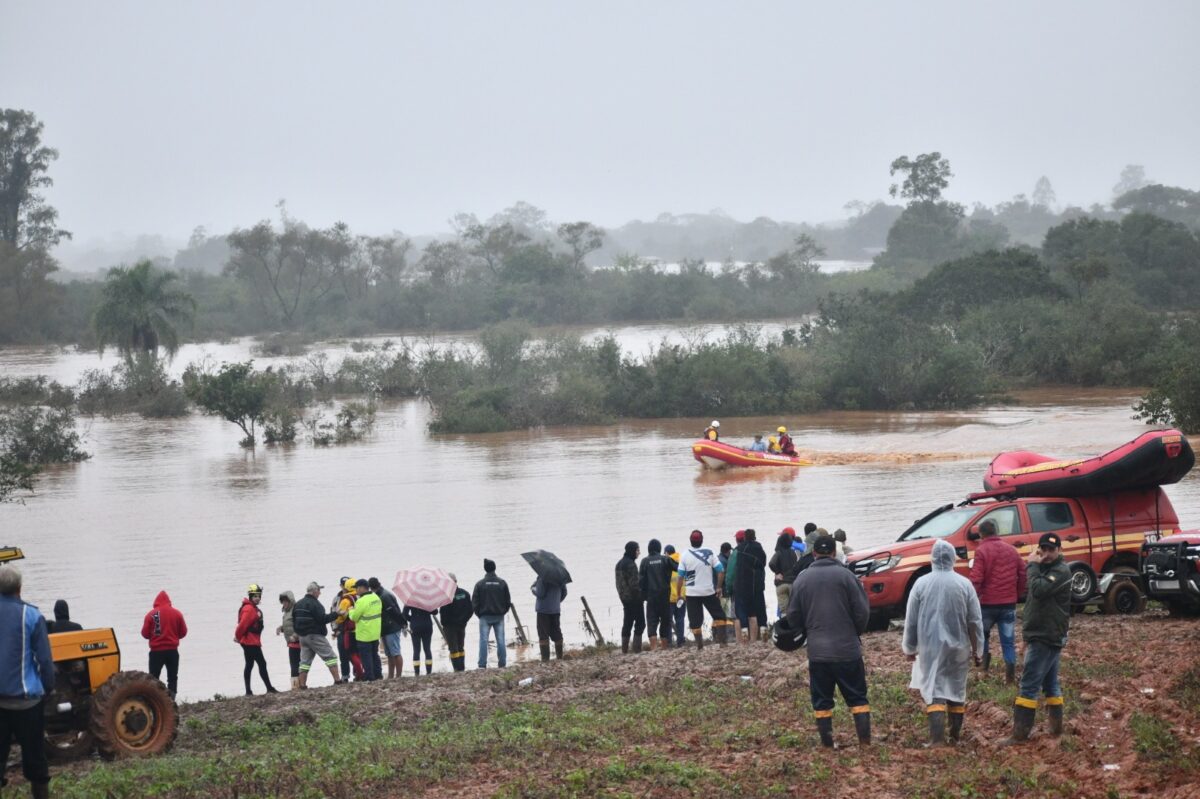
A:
[548, 566]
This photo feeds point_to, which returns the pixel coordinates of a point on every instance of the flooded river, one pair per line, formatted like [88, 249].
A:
[177, 505]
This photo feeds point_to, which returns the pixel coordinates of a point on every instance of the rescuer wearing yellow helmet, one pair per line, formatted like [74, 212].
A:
[785, 441]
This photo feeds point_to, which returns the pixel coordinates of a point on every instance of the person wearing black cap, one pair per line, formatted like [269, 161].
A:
[309, 620]
[829, 604]
[1046, 618]
[630, 594]
[490, 600]
[455, 615]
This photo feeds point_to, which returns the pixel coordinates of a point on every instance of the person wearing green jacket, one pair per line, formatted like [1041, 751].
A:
[367, 615]
[1046, 618]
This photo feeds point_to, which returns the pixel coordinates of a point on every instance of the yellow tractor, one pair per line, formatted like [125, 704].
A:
[95, 705]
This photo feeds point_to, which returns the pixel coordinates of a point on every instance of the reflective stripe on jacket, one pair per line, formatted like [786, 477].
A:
[26, 668]
[367, 615]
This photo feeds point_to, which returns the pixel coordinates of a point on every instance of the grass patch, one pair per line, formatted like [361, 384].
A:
[1152, 737]
[1186, 690]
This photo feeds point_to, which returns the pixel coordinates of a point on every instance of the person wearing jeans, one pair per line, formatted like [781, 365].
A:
[367, 615]
[999, 578]
[491, 601]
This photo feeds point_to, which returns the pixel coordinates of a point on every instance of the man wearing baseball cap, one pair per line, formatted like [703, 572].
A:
[309, 620]
[1047, 616]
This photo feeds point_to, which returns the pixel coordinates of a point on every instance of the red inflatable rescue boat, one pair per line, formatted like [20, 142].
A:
[716, 455]
[1160, 457]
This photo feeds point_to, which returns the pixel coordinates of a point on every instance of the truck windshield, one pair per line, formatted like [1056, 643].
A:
[941, 525]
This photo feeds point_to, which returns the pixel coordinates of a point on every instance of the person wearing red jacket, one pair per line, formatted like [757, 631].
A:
[998, 574]
[163, 627]
[249, 634]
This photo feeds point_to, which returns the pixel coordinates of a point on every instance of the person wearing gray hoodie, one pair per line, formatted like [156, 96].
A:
[287, 602]
[548, 606]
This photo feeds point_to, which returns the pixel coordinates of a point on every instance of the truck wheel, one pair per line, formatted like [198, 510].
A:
[133, 715]
[1083, 582]
[1124, 598]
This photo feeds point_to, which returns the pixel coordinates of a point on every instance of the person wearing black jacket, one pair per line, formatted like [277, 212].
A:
[455, 616]
[490, 600]
[630, 594]
[62, 619]
[309, 620]
[654, 581]
[749, 585]
[783, 566]
[390, 626]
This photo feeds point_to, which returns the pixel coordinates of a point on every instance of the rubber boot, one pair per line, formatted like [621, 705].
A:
[40, 790]
[295, 683]
[1010, 673]
[416, 668]
[1054, 715]
[637, 644]
[458, 661]
[699, 634]
[1023, 718]
[987, 661]
[825, 730]
[558, 649]
[624, 644]
[544, 648]
[429, 667]
[955, 723]
[862, 726]
[302, 681]
[937, 727]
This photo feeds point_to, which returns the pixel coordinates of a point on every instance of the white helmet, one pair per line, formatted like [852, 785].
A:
[716, 423]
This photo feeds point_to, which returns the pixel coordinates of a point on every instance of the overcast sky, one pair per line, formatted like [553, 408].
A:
[397, 115]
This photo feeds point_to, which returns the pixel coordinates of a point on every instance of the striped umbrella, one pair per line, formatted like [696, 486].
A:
[424, 587]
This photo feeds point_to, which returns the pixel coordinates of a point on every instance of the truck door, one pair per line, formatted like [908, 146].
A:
[1059, 516]
[1009, 527]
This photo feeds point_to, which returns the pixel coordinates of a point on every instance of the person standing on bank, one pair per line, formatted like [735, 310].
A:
[455, 616]
[630, 594]
[548, 606]
[702, 576]
[491, 602]
[654, 581]
[999, 578]
[367, 615]
[164, 627]
[749, 602]
[248, 634]
[393, 624]
[830, 605]
[26, 678]
[942, 628]
[309, 620]
[286, 628]
[1047, 618]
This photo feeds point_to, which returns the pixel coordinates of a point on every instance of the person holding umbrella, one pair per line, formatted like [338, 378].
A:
[424, 591]
[550, 588]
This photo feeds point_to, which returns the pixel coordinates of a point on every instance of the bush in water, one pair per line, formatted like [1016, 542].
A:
[235, 392]
[139, 385]
[32, 438]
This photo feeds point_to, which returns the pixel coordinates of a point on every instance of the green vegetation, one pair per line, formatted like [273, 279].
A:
[31, 438]
[1152, 737]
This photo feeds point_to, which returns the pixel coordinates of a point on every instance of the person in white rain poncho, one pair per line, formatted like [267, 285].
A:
[943, 626]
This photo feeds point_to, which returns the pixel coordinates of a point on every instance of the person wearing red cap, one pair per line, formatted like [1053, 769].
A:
[700, 570]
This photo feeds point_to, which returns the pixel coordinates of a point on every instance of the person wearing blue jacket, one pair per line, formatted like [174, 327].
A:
[26, 677]
[548, 606]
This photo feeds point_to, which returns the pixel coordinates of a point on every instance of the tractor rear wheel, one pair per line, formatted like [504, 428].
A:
[69, 745]
[133, 715]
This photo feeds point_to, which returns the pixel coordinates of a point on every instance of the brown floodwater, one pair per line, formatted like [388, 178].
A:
[177, 505]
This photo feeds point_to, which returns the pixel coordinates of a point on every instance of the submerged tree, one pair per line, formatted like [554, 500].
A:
[140, 311]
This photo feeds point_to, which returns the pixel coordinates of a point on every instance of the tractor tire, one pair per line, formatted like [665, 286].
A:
[70, 745]
[1124, 598]
[133, 715]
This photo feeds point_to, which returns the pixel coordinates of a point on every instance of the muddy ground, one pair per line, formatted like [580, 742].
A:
[1133, 726]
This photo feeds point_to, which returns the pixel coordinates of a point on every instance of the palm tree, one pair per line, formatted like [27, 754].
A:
[139, 311]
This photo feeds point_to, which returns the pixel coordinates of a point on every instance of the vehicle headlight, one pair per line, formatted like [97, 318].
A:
[884, 563]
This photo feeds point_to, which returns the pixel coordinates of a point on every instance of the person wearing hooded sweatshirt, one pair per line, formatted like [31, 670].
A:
[62, 619]
[783, 566]
[455, 615]
[393, 625]
[490, 600]
[943, 626]
[749, 585]
[26, 678]
[630, 595]
[287, 603]
[163, 627]
[654, 580]
[548, 606]
[248, 634]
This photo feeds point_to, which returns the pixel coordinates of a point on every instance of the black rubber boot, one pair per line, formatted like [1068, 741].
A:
[1023, 718]
[416, 668]
[558, 649]
[1054, 715]
[862, 726]
[458, 662]
[1010, 673]
[637, 644]
[699, 638]
[825, 730]
[937, 727]
[987, 661]
[429, 667]
[624, 644]
[40, 790]
[955, 723]
[544, 648]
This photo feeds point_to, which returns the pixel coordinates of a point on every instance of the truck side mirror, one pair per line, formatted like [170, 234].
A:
[973, 534]
[961, 552]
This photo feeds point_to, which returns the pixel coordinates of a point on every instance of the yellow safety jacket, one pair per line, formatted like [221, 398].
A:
[367, 615]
